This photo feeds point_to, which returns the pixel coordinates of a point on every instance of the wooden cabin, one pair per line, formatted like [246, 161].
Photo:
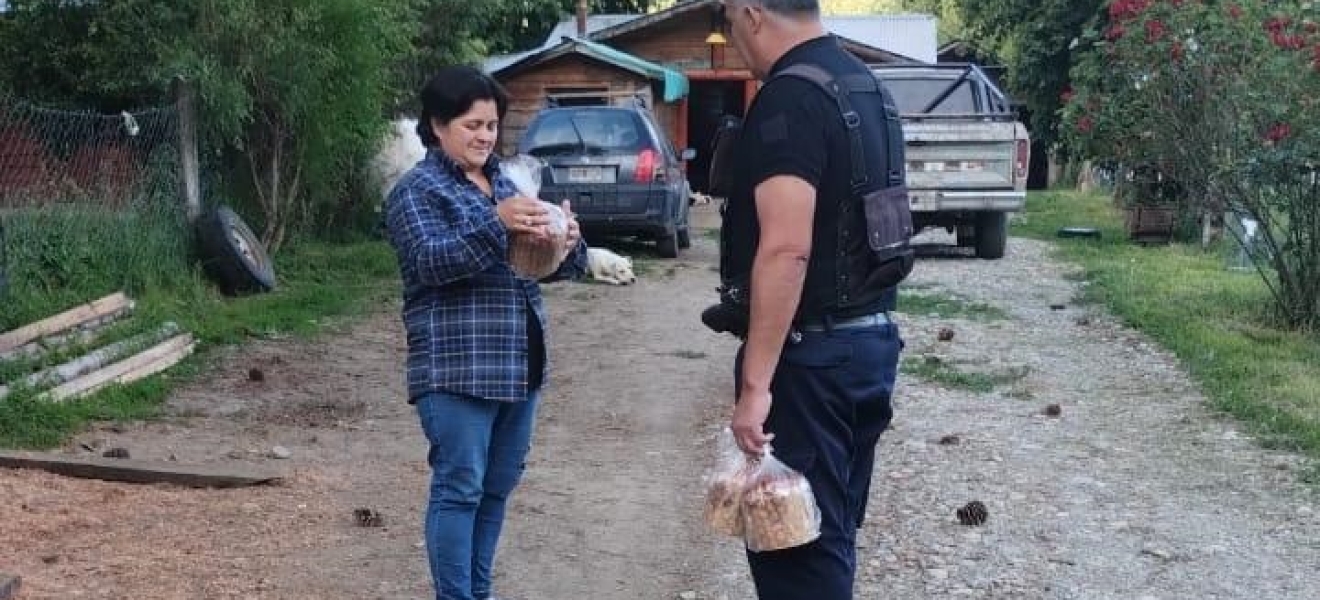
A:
[678, 61]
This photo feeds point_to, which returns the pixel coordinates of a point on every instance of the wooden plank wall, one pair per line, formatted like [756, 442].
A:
[679, 43]
[527, 90]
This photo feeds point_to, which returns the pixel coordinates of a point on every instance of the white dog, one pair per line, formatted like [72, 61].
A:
[609, 267]
[700, 198]
[399, 151]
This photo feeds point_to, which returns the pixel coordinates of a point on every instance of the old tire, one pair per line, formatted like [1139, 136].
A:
[991, 235]
[232, 255]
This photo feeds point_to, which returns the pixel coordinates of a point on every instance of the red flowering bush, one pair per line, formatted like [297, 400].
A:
[1224, 99]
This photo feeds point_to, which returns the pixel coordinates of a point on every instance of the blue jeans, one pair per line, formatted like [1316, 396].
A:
[477, 453]
[832, 399]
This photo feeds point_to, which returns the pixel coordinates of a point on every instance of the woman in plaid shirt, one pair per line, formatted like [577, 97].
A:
[476, 331]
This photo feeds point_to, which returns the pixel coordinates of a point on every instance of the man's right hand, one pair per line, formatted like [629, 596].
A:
[521, 214]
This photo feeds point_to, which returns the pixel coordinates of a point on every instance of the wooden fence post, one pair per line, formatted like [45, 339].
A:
[189, 165]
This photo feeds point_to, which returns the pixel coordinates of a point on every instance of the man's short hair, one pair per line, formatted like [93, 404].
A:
[788, 7]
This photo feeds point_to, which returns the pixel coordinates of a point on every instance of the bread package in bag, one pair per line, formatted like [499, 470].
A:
[533, 256]
[724, 487]
[778, 507]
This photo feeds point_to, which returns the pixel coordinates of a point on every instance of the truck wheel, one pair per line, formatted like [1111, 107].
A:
[991, 235]
[966, 233]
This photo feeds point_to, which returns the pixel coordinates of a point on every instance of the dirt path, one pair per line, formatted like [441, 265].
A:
[1134, 491]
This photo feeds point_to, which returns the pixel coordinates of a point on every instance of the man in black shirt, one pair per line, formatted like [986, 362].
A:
[820, 356]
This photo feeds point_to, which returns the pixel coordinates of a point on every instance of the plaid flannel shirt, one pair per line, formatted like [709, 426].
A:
[464, 310]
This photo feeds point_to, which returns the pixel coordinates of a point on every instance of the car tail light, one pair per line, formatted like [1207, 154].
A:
[647, 167]
[1023, 158]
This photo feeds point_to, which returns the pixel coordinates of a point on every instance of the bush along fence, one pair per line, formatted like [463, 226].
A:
[91, 203]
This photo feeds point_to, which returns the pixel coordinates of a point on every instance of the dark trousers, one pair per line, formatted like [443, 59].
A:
[831, 400]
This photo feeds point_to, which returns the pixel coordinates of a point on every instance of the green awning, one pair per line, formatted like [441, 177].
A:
[675, 83]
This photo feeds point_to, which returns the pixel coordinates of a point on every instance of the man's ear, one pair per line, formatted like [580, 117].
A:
[755, 17]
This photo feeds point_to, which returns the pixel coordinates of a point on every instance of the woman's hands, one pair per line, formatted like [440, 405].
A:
[521, 214]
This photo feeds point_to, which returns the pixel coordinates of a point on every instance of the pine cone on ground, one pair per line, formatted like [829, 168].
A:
[366, 517]
[973, 513]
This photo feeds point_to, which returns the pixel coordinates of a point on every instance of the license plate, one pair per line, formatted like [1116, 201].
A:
[586, 174]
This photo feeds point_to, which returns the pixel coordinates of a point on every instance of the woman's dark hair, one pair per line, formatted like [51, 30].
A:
[451, 92]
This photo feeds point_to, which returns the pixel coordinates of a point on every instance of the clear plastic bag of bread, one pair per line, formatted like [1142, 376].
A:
[778, 507]
[532, 256]
[724, 487]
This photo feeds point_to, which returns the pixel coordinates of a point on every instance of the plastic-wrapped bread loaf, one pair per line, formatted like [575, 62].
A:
[778, 508]
[724, 487]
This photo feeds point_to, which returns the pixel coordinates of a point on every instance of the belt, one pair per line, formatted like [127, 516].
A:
[871, 320]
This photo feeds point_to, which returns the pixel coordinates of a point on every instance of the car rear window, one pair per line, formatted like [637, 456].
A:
[591, 131]
[913, 95]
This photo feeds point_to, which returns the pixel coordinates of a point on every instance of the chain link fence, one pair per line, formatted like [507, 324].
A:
[80, 186]
[59, 157]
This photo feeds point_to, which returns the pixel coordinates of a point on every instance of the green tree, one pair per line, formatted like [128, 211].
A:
[101, 55]
[1035, 39]
[296, 89]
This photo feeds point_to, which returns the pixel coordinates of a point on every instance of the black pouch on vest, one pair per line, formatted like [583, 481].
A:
[888, 231]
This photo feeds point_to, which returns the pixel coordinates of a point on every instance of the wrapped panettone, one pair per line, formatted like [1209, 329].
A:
[534, 256]
[778, 508]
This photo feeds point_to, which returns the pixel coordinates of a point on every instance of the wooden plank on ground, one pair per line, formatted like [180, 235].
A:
[112, 304]
[138, 471]
[83, 334]
[149, 362]
[93, 360]
[9, 586]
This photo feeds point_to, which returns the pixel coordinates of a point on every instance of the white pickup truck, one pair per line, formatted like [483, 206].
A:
[967, 154]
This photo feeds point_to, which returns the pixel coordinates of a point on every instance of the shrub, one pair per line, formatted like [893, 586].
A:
[1219, 97]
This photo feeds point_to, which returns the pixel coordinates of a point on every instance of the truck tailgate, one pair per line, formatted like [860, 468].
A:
[961, 154]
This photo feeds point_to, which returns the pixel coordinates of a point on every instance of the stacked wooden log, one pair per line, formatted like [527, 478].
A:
[120, 362]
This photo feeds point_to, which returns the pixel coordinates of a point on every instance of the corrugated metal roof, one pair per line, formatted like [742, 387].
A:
[912, 35]
[564, 29]
[594, 23]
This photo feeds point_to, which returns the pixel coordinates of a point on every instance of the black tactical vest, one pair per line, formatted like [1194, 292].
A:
[860, 245]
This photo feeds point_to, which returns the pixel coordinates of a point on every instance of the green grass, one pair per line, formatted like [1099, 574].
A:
[945, 305]
[317, 282]
[948, 375]
[1219, 323]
